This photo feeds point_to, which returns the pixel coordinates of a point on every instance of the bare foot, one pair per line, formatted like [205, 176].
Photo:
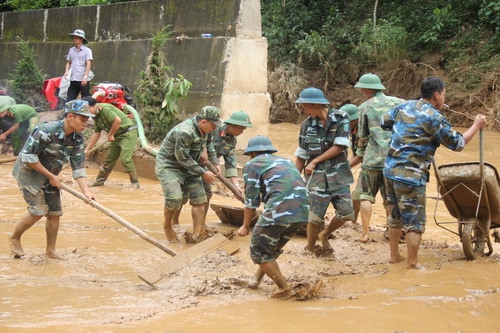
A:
[416, 266]
[399, 258]
[171, 235]
[282, 294]
[16, 248]
[54, 255]
[363, 239]
[254, 284]
[177, 228]
[323, 237]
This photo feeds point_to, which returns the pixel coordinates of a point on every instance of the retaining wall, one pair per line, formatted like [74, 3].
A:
[228, 70]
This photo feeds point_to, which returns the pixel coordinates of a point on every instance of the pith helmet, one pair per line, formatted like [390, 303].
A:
[239, 118]
[79, 33]
[211, 113]
[259, 144]
[352, 110]
[80, 107]
[370, 81]
[4, 107]
[312, 96]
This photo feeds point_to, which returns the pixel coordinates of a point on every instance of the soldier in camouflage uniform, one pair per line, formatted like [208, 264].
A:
[418, 128]
[49, 147]
[179, 171]
[353, 112]
[122, 133]
[277, 183]
[322, 155]
[373, 144]
[224, 142]
[24, 119]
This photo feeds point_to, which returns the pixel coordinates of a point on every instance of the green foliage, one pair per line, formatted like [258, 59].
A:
[158, 93]
[176, 88]
[28, 79]
[489, 14]
[382, 43]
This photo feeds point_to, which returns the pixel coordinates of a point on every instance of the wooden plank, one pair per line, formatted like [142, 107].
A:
[185, 258]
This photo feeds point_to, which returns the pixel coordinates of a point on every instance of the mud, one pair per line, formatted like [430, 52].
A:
[96, 289]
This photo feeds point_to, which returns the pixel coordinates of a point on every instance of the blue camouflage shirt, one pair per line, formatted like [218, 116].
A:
[277, 183]
[417, 130]
[315, 139]
[49, 144]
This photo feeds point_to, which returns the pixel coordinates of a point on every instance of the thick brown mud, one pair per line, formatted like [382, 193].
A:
[97, 289]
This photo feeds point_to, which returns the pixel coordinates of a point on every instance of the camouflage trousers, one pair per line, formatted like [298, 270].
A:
[407, 206]
[268, 240]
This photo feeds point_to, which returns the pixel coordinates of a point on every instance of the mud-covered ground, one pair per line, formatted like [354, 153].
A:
[97, 289]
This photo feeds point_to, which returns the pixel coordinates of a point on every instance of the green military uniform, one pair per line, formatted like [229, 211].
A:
[125, 137]
[373, 145]
[177, 163]
[27, 119]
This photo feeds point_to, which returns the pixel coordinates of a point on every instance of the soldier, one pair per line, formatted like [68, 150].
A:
[49, 147]
[122, 133]
[322, 155]
[179, 171]
[353, 112]
[224, 142]
[373, 144]
[24, 119]
[418, 128]
[277, 183]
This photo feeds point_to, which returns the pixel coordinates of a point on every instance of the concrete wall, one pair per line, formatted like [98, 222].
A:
[229, 70]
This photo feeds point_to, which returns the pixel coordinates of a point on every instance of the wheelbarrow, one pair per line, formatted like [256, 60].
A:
[471, 193]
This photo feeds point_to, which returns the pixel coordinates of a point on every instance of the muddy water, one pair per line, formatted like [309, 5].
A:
[97, 290]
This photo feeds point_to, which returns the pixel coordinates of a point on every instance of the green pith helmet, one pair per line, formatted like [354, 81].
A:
[4, 107]
[352, 110]
[79, 33]
[370, 81]
[312, 96]
[239, 118]
[259, 144]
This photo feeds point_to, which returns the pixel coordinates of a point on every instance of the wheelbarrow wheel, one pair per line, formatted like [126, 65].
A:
[472, 240]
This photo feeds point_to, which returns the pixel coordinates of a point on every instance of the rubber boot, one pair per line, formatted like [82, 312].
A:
[101, 178]
[134, 179]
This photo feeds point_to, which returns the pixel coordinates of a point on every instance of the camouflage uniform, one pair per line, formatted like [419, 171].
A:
[125, 137]
[27, 118]
[177, 164]
[52, 148]
[417, 130]
[277, 183]
[331, 179]
[373, 145]
[224, 146]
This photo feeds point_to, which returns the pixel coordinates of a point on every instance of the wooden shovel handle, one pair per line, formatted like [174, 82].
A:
[224, 180]
[119, 219]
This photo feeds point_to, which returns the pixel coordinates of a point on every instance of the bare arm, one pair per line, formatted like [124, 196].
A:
[82, 182]
[331, 152]
[5, 134]
[248, 215]
[479, 123]
[92, 141]
[114, 127]
[53, 179]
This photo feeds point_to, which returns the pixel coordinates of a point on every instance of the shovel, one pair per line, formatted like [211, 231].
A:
[8, 159]
[120, 220]
[224, 180]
